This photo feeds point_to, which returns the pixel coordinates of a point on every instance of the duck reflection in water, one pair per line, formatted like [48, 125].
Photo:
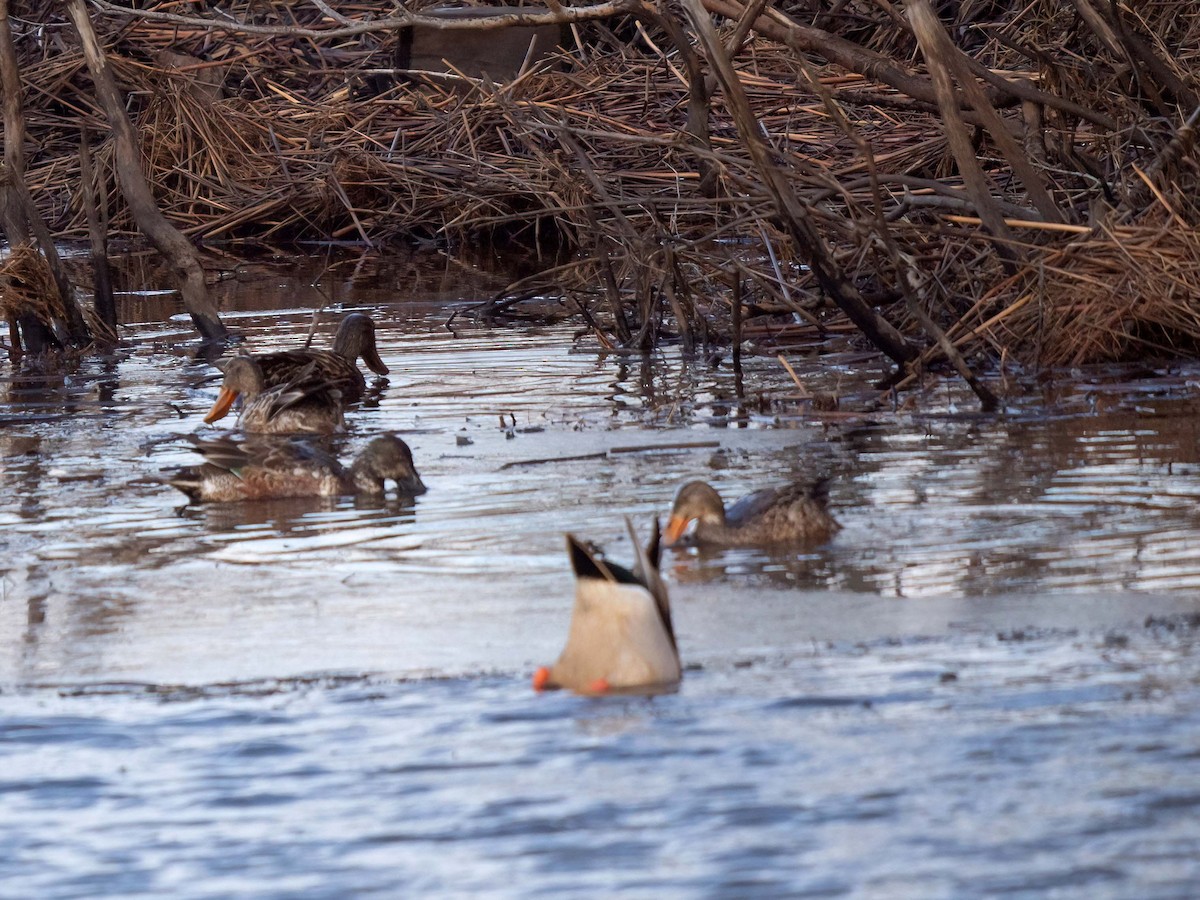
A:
[621, 637]
[267, 469]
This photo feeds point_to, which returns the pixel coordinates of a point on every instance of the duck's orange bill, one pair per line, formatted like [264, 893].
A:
[541, 678]
[676, 526]
[221, 408]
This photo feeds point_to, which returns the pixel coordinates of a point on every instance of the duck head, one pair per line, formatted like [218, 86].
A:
[386, 457]
[696, 500]
[242, 376]
[356, 337]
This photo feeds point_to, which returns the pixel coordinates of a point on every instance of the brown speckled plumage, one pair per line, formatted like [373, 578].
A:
[257, 469]
[794, 514]
[337, 367]
[305, 405]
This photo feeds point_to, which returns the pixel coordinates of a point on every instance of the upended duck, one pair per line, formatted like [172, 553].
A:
[793, 514]
[258, 470]
[621, 636]
[308, 404]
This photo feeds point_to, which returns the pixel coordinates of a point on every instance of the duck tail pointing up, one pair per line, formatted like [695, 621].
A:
[647, 572]
[585, 563]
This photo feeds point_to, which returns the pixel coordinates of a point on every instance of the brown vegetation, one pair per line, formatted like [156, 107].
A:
[1010, 176]
[27, 288]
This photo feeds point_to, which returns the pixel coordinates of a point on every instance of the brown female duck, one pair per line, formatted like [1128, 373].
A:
[336, 368]
[257, 470]
[306, 404]
[621, 637]
[794, 514]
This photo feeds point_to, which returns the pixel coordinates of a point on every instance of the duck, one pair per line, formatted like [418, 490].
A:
[621, 638]
[337, 367]
[792, 514]
[258, 470]
[307, 404]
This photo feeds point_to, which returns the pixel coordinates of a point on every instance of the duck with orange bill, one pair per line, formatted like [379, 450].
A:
[308, 404]
[793, 514]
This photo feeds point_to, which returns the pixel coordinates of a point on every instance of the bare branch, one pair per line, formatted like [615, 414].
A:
[560, 16]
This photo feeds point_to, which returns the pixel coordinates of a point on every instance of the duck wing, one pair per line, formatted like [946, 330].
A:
[224, 461]
[761, 503]
[754, 505]
[285, 366]
[237, 455]
[224, 452]
[305, 386]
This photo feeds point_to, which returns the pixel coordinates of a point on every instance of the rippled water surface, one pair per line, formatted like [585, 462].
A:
[987, 684]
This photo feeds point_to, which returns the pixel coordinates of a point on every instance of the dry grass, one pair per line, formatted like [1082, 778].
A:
[588, 165]
[1119, 294]
[27, 287]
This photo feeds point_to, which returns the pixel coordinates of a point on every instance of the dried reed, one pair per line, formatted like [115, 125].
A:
[27, 287]
[1122, 293]
[589, 163]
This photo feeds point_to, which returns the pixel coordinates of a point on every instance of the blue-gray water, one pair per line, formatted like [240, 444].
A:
[988, 684]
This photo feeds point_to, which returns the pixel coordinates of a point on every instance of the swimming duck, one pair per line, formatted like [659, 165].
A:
[257, 470]
[337, 367]
[793, 514]
[621, 637]
[306, 404]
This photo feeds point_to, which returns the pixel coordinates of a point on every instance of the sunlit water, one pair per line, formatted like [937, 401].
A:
[987, 684]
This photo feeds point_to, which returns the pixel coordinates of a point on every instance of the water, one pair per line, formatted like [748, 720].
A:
[988, 684]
